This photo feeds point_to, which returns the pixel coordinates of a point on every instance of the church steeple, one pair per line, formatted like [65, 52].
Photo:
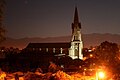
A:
[76, 25]
[76, 41]
[76, 19]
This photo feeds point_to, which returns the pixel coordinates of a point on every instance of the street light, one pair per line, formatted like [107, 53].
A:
[100, 75]
[91, 55]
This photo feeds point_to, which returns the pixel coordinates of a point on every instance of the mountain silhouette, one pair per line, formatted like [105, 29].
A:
[88, 40]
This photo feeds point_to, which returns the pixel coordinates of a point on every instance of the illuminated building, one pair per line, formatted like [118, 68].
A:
[72, 49]
[76, 42]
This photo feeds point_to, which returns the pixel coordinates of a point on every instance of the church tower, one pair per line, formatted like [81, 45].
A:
[75, 51]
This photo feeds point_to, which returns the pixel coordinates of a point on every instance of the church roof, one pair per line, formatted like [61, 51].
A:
[48, 45]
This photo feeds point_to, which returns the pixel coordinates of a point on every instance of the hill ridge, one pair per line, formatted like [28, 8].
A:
[93, 39]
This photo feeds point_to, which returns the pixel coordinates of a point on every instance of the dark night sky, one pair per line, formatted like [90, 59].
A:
[48, 18]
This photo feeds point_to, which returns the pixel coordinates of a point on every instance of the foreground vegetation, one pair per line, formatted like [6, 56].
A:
[105, 56]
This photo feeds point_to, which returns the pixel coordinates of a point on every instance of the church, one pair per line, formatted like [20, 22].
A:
[72, 48]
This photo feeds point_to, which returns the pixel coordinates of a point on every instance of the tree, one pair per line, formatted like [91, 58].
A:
[52, 67]
[64, 60]
[2, 10]
[106, 52]
[78, 62]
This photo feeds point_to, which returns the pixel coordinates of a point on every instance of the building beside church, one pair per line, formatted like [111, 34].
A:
[72, 49]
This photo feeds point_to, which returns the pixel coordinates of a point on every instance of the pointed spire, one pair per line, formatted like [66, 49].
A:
[76, 19]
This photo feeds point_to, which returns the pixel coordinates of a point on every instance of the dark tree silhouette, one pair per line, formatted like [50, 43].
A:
[77, 62]
[106, 52]
[65, 60]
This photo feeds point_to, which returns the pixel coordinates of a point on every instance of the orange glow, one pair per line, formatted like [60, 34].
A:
[91, 55]
[101, 75]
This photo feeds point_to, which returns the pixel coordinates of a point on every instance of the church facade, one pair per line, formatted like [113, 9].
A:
[72, 49]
